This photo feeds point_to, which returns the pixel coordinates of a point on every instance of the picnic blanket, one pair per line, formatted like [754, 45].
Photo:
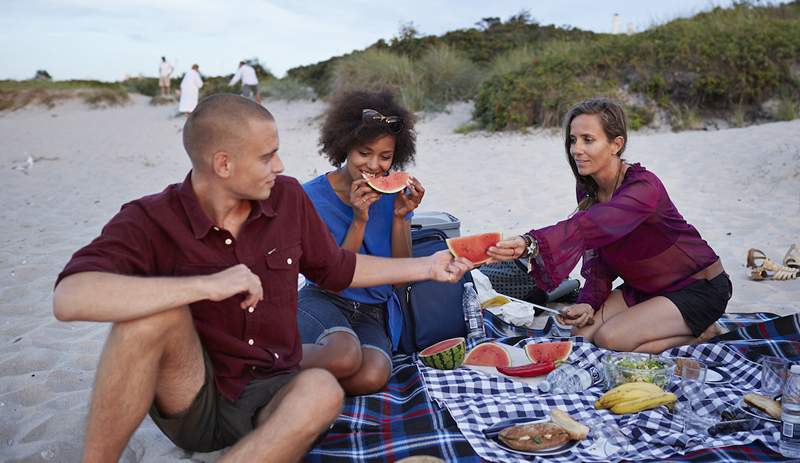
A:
[403, 420]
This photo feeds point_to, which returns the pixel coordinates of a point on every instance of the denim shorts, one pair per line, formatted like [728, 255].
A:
[320, 313]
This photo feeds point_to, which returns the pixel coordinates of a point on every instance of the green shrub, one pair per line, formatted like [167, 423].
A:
[101, 98]
[376, 70]
[512, 61]
[638, 116]
[287, 89]
[447, 76]
[787, 110]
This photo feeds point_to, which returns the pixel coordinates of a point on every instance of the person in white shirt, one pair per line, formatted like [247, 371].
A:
[164, 73]
[247, 75]
[190, 90]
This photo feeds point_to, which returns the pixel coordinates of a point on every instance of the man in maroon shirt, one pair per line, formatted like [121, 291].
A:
[200, 283]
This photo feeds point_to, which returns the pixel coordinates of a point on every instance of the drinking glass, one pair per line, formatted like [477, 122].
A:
[691, 378]
[774, 371]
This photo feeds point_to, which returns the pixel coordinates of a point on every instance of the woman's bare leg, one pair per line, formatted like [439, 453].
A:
[651, 326]
[614, 305]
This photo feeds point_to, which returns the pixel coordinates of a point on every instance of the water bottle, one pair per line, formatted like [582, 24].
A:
[569, 378]
[790, 415]
[473, 317]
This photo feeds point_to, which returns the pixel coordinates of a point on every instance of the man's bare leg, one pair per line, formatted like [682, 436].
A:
[157, 356]
[292, 420]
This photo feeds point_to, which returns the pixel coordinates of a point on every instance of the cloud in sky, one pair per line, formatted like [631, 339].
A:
[111, 39]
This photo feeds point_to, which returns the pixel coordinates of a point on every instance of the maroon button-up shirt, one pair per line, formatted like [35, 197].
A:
[168, 234]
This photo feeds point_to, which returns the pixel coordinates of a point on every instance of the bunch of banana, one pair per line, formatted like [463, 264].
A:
[634, 397]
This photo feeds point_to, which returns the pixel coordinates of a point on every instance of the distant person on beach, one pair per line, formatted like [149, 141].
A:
[626, 226]
[200, 283]
[164, 75]
[190, 90]
[247, 75]
[353, 333]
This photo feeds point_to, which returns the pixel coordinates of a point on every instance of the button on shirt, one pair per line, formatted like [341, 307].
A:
[246, 74]
[168, 234]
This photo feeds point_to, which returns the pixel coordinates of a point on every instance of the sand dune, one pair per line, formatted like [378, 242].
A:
[66, 171]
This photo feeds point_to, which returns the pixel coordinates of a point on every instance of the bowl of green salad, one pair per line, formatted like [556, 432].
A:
[629, 367]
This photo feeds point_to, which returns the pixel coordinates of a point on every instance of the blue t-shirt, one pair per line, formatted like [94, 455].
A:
[377, 242]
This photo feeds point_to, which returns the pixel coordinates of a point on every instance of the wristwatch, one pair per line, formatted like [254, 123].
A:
[531, 247]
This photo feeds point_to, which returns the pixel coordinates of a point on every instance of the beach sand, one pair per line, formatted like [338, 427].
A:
[65, 171]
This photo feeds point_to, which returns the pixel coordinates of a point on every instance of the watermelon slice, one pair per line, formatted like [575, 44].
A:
[444, 355]
[392, 183]
[488, 354]
[549, 351]
[473, 247]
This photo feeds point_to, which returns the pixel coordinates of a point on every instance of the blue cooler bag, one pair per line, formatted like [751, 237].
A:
[432, 311]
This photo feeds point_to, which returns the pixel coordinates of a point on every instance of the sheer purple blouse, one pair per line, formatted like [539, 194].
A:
[638, 235]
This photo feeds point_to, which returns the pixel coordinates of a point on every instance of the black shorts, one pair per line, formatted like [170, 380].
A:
[212, 421]
[702, 302]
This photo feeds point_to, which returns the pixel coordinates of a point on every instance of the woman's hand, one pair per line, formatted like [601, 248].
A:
[578, 315]
[508, 249]
[361, 198]
[408, 199]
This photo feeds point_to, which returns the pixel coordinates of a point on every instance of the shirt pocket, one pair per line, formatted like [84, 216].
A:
[283, 266]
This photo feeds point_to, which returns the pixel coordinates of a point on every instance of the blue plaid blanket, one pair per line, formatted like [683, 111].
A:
[403, 420]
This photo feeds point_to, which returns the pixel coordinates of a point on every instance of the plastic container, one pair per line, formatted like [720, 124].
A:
[617, 372]
[790, 415]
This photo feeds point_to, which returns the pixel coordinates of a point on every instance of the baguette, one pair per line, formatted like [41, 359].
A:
[769, 406]
[576, 430]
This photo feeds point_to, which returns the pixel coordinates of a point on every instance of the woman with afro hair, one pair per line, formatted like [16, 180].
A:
[353, 333]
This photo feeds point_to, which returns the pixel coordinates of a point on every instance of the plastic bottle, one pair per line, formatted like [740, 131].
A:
[473, 317]
[790, 415]
[570, 378]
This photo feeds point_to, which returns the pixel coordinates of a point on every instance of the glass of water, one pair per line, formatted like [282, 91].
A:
[774, 371]
[691, 378]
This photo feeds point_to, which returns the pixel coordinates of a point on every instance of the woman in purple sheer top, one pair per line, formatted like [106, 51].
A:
[625, 226]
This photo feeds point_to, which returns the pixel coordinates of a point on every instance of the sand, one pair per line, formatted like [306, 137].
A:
[66, 171]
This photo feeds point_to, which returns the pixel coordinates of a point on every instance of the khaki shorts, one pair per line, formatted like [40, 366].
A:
[212, 421]
[163, 81]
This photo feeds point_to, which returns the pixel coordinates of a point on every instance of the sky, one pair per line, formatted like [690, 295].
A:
[112, 39]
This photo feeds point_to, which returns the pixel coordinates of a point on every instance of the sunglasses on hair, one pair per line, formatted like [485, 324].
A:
[393, 123]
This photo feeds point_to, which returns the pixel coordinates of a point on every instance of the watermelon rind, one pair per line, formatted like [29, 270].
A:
[493, 346]
[401, 177]
[441, 357]
[557, 351]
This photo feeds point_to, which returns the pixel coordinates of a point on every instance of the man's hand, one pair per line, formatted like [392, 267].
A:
[578, 315]
[446, 269]
[507, 249]
[235, 280]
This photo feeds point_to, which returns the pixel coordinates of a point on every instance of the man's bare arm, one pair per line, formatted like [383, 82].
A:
[108, 297]
[373, 271]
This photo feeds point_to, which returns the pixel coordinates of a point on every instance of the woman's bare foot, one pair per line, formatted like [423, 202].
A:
[714, 330]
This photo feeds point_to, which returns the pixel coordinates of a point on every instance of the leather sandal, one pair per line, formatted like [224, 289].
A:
[792, 257]
[759, 267]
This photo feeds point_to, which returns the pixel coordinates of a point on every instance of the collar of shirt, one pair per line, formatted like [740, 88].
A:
[198, 219]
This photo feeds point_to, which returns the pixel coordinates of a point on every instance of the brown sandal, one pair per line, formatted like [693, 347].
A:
[759, 267]
[792, 257]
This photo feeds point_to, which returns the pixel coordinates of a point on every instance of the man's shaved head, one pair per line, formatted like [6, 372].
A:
[220, 123]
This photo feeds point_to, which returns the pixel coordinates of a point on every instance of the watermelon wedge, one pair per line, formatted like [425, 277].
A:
[444, 355]
[488, 354]
[473, 247]
[549, 351]
[392, 183]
